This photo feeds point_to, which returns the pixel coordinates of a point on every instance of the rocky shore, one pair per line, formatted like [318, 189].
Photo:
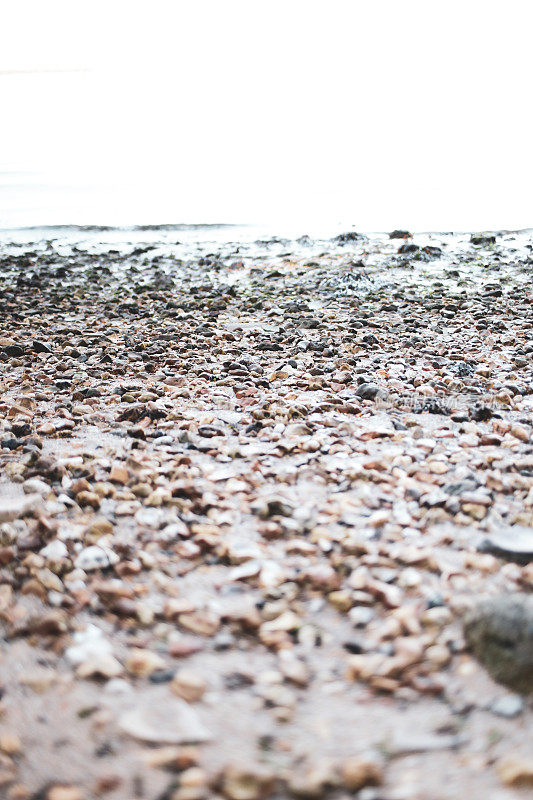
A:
[266, 516]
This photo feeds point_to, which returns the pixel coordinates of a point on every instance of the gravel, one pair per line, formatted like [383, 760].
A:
[272, 498]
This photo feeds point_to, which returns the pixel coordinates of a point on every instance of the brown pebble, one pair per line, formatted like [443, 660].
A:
[119, 474]
[188, 685]
[88, 499]
[357, 772]
[515, 771]
[64, 793]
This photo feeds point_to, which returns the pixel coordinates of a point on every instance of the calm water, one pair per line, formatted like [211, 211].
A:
[79, 149]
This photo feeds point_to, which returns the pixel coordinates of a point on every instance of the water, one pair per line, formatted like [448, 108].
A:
[98, 148]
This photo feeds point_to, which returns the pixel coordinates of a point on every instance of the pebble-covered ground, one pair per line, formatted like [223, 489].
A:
[248, 492]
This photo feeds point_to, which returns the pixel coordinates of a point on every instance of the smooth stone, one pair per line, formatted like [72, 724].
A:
[499, 631]
[13, 350]
[54, 550]
[369, 391]
[508, 706]
[88, 644]
[36, 486]
[17, 507]
[41, 347]
[95, 557]
[165, 720]
[514, 544]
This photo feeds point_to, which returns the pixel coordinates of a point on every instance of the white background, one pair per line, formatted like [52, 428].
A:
[375, 114]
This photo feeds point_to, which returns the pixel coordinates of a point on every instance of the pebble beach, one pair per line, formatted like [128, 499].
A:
[266, 515]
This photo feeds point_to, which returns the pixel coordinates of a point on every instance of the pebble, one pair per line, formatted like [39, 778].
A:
[64, 793]
[95, 557]
[358, 772]
[142, 663]
[508, 706]
[54, 551]
[172, 757]
[250, 782]
[188, 685]
[10, 743]
[516, 772]
[89, 643]
[512, 543]
[18, 507]
[163, 720]
[36, 486]
[368, 391]
[499, 631]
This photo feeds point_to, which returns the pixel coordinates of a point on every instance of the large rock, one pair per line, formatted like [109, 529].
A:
[499, 630]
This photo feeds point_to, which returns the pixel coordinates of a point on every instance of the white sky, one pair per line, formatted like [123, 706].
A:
[378, 114]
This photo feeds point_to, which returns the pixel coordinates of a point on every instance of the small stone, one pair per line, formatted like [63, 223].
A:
[360, 616]
[80, 485]
[357, 772]
[185, 647]
[342, 600]
[41, 347]
[143, 663]
[521, 432]
[87, 643]
[46, 429]
[313, 783]
[95, 557]
[516, 772]
[104, 666]
[192, 785]
[119, 474]
[54, 551]
[162, 719]
[369, 391]
[204, 623]
[36, 486]
[499, 630]
[438, 655]
[10, 743]
[188, 685]
[293, 668]
[18, 507]
[174, 758]
[64, 793]
[251, 782]
[490, 439]
[508, 706]
[107, 783]
[88, 499]
[13, 350]
[514, 543]
[100, 527]
[437, 616]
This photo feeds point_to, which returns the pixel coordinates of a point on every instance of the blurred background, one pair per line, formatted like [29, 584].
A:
[374, 115]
